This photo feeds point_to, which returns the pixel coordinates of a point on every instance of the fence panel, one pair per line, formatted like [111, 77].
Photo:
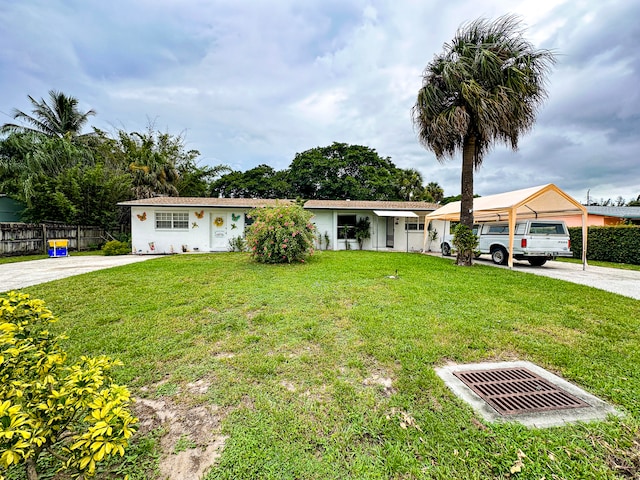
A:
[30, 239]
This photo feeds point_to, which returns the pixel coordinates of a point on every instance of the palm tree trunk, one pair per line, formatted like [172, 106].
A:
[32, 473]
[466, 200]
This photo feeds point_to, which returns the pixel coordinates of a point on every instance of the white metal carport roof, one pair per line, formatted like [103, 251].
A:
[544, 201]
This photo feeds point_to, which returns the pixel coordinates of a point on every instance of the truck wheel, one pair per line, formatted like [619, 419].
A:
[500, 256]
[446, 250]
[537, 261]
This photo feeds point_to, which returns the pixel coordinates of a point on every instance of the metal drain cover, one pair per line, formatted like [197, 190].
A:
[522, 392]
[517, 390]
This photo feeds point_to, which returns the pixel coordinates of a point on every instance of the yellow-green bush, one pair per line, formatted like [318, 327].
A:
[76, 412]
[116, 247]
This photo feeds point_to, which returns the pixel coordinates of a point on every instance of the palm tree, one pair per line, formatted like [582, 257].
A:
[410, 184]
[434, 192]
[61, 118]
[485, 87]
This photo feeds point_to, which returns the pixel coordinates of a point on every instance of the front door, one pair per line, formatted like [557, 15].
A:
[219, 229]
[390, 231]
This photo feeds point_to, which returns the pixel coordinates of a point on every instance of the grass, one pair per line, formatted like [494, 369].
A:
[294, 354]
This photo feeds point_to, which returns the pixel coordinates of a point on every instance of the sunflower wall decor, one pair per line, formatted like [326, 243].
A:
[218, 222]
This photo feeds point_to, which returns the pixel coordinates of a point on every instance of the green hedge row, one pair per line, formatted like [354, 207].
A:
[620, 244]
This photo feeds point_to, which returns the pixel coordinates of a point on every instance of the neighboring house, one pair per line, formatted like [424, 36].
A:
[176, 224]
[397, 226]
[10, 209]
[606, 216]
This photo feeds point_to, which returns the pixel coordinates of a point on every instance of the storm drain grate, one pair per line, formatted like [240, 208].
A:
[517, 390]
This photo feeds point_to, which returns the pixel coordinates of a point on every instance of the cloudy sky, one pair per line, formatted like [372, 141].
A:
[252, 81]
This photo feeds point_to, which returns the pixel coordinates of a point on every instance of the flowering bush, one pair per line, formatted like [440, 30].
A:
[280, 234]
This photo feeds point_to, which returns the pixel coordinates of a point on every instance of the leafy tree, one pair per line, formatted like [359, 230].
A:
[343, 171]
[27, 158]
[195, 181]
[281, 234]
[634, 203]
[484, 88]
[59, 118]
[79, 196]
[75, 413]
[259, 182]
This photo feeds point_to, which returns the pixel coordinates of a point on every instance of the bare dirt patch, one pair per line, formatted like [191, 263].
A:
[192, 442]
[383, 382]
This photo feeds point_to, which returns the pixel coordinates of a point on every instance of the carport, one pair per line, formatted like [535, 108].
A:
[545, 201]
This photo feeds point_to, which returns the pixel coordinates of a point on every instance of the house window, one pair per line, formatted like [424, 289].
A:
[347, 225]
[414, 224]
[172, 220]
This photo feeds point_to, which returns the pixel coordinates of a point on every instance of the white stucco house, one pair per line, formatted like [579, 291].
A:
[395, 226]
[163, 225]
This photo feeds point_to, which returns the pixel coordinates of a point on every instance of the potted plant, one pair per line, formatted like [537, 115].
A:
[363, 231]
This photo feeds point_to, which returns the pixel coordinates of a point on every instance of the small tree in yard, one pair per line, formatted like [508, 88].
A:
[281, 234]
[465, 242]
[75, 413]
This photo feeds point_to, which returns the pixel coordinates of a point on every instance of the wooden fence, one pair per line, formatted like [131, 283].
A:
[28, 239]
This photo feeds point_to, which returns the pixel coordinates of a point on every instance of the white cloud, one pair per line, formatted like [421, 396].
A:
[256, 82]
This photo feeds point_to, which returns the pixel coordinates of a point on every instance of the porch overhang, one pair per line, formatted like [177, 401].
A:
[394, 213]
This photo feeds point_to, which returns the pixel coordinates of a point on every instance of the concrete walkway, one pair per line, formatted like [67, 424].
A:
[14, 276]
[616, 280]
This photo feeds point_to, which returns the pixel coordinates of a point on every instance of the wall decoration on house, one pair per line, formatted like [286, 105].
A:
[152, 246]
[218, 222]
[199, 214]
[194, 225]
[235, 217]
[233, 226]
[142, 217]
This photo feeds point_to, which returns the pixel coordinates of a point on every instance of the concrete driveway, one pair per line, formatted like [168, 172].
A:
[616, 280]
[14, 276]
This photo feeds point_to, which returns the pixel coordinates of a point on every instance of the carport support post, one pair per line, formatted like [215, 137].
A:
[585, 236]
[512, 227]
[426, 233]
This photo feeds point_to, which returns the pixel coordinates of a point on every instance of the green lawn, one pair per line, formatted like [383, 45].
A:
[293, 352]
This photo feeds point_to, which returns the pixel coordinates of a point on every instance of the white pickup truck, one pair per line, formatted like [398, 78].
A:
[535, 240]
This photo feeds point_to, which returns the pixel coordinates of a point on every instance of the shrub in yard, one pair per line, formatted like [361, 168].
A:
[465, 242]
[620, 244]
[116, 247]
[75, 413]
[237, 244]
[280, 234]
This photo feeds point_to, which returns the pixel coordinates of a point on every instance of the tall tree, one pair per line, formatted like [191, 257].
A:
[59, 118]
[410, 184]
[484, 88]
[259, 182]
[433, 192]
[342, 171]
[154, 161]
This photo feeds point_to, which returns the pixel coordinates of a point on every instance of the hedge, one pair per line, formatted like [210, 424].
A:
[620, 244]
